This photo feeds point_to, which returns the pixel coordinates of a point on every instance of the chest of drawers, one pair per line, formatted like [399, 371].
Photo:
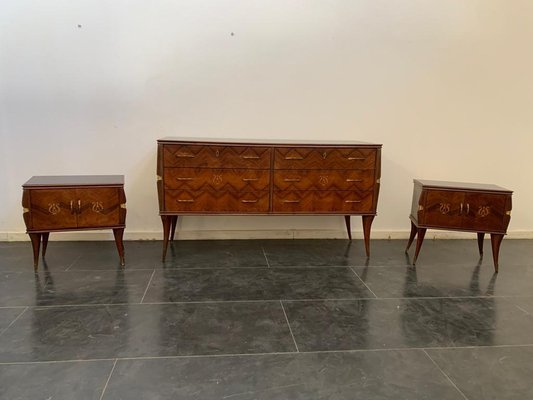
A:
[472, 207]
[66, 203]
[265, 177]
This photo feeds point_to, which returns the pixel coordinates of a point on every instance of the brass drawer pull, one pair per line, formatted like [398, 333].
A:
[250, 179]
[248, 201]
[185, 155]
[293, 158]
[356, 158]
[461, 210]
[467, 208]
[352, 201]
[185, 201]
[79, 206]
[250, 157]
[291, 180]
[184, 179]
[71, 206]
[291, 201]
[354, 180]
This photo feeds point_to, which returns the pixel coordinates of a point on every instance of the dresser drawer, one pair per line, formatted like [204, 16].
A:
[302, 179]
[216, 201]
[324, 158]
[233, 180]
[216, 156]
[322, 201]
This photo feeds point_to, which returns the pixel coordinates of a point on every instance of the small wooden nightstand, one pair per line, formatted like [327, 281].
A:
[463, 207]
[76, 202]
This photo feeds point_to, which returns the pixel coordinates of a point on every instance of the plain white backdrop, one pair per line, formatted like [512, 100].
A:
[86, 87]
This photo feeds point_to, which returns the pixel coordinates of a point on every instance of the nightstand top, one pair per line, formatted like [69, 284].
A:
[75, 180]
[461, 186]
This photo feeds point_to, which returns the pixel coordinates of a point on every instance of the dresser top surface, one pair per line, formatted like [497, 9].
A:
[75, 180]
[461, 186]
[263, 142]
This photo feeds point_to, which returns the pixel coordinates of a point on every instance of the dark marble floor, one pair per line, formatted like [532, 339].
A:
[266, 319]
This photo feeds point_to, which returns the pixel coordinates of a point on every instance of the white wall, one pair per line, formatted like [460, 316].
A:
[446, 86]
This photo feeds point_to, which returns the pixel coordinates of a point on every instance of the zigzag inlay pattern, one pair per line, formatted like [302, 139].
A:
[217, 156]
[324, 158]
[232, 180]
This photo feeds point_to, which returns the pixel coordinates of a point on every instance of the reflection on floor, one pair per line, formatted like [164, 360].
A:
[266, 319]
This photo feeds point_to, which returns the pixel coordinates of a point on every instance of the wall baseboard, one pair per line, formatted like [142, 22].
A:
[253, 234]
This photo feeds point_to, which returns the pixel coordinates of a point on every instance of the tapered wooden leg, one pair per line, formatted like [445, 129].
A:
[367, 224]
[167, 220]
[496, 241]
[119, 234]
[45, 242]
[347, 220]
[411, 236]
[480, 238]
[421, 232]
[36, 244]
[173, 223]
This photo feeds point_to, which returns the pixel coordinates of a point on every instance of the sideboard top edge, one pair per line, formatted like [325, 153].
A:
[265, 142]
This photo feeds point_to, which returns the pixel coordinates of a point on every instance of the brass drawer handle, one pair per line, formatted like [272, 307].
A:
[291, 201]
[79, 206]
[185, 155]
[352, 201]
[291, 180]
[185, 201]
[250, 157]
[461, 209]
[356, 158]
[294, 158]
[248, 201]
[250, 179]
[467, 208]
[354, 180]
[184, 179]
[71, 206]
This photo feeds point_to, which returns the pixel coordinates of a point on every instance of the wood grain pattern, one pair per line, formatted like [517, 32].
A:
[216, 156]
[324, 158]
[315, 201]
[216, 202]
[358, 180]
[233, 180]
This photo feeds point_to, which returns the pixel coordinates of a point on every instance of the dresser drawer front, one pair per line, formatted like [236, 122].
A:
[216, 156]
[232, 180]
[323, 202]
[98, 207]
[216, 201]
[302, 179]
[53, 209]
[324, 158]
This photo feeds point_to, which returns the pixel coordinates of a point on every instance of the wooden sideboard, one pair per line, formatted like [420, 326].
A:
[73, 202]
[472, 207]
[212, 176]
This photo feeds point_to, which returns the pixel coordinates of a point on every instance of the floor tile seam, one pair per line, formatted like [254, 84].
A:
[73, 263]
[108, 379]
[147, 286]
[13, 322]
[364, 283]
[264, 255]
[278, 353]
[445, 375]
[289, 325]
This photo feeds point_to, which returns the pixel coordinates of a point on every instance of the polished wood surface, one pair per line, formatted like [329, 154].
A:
[215, 176]
[479, 208]
[56, 203]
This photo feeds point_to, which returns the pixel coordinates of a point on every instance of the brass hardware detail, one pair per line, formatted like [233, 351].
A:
[185, 155]
[53, 208]
[354, 180]
[250, 179]
[217, 153]
[444, 208]
[185, 201]
[71, 206]
[217, 179]
[25, 210]
[291, 180]
[324, 155]
[352, 201]
[98, 207]
[323, 180]
[420, 208]
[248, 201]
[461, 211]
[356, 158]
[291, 201]
[378, 180]
[467, 208]
[250, 157]
[123, 205]
[508, 212]
[483, 211]
[158, 178]
[293, 158]
[79, 206]
[184, 179]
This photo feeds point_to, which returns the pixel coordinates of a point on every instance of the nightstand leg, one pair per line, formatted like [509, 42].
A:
[173, 224]
[119, 234]
[167, 220]
[347, 220]
[45, 242]
[36, 244]
[496, 241]
[367, 223]
[421, 232]
[480, 238]
[411, 236]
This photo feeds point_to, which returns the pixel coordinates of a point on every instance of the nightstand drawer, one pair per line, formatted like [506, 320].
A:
[216, 156]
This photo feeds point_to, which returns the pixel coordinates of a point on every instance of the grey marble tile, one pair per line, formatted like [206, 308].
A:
[448, 281]
[176, 285]
[407, 323]
[57, 381]
[89, 332]
[7, 316]
[489, 373]
[18, 257]
[73, 287]
[364, 375]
